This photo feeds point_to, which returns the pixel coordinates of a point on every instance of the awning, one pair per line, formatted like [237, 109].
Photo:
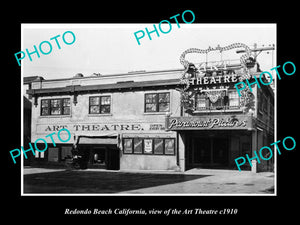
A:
[103, 139]
[98, 140]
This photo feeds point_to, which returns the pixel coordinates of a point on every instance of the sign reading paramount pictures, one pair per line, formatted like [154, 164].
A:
[209, 123]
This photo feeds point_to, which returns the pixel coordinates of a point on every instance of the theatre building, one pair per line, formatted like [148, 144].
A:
[158, 120]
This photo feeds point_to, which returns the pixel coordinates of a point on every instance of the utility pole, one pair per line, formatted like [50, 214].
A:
[257, 51]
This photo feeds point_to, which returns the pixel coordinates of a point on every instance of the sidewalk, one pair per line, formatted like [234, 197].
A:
[219, 182]
[100, 181]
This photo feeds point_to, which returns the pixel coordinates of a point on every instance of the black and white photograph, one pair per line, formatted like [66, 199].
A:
[144, 111]
[140, 109]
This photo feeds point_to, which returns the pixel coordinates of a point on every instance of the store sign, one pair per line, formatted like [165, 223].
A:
[214, 75]
[213, 80]
[209, 122]
[100, 127]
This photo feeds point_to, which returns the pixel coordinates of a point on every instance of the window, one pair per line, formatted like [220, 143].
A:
[138, 145]
[39, 154]
[158, 146]
[229, 100]
[55, 107]
[201, 101]
[66, 106]
[157, 102]
[45, 107]
[233, 99]
[53, 154]
[219, 104]
[149, 146]
[170, 146]
[127, 142]
[66, 152]
[99, 105]
[163, 102]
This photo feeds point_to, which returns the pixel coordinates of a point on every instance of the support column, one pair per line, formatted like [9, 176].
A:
[254, 147]
[211, 150]
[181, 151]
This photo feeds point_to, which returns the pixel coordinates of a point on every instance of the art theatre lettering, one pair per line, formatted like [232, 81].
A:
[97, 127]
[106, 127]
[191, 123]
[213, 80]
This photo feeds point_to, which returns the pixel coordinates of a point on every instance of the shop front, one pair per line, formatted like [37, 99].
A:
[212, 141]
[95, 152]
[112, 145]
[99, 151]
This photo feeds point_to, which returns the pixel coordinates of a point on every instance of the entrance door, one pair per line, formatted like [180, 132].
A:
[113, 158]
[220, 151]
[201, 151]
[99, 157]
[209, 152]
[106, 157]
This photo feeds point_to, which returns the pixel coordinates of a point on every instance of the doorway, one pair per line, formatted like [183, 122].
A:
[106, 157]
[101, 156]
[208, 151]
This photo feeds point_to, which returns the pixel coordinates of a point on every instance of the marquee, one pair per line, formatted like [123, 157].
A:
[238, 122]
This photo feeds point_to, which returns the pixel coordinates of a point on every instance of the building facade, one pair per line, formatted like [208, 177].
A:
[154, 120]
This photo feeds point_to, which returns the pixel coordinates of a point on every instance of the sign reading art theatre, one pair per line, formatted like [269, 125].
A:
[209, 123]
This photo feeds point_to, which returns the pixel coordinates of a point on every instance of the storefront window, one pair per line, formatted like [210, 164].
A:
[99, 105]
[158, 146]
[148, 146]
[39, 154]
[170, 146]
[66, 152]
[158, 102]
[138, 145]
[127, 145]
[55, 106]
[53, 154]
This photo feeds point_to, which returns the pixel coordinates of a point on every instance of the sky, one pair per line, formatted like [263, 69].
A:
[112, 48]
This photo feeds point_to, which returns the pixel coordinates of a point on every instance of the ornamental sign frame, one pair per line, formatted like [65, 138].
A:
[193, 76]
